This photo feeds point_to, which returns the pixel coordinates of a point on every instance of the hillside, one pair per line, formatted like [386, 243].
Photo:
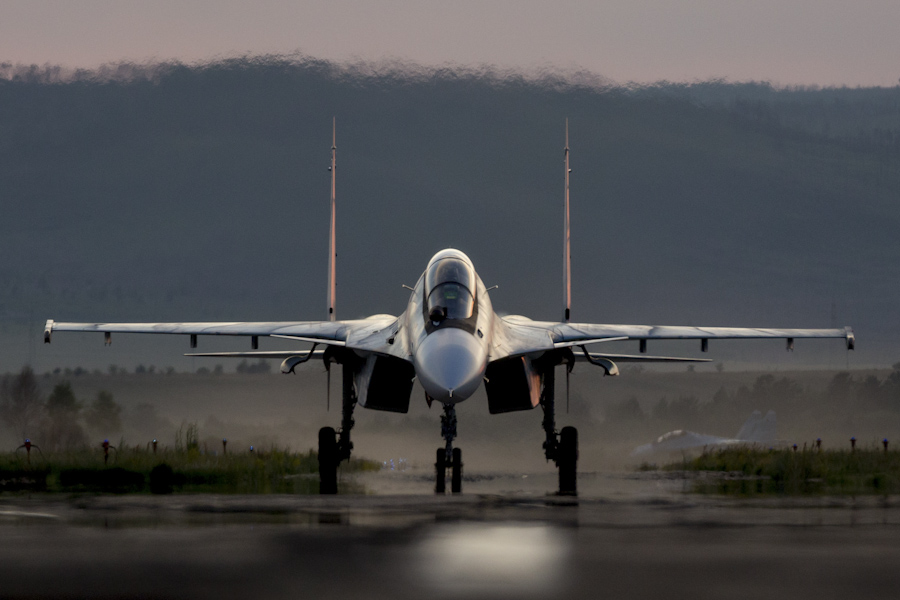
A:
[200, 193]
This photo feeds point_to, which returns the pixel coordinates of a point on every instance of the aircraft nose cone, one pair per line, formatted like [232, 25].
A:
[450, 365]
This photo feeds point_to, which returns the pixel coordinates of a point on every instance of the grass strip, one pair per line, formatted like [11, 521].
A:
[749, 471]
[271, 471]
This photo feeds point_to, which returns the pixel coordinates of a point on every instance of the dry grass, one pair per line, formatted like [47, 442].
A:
[750, 471]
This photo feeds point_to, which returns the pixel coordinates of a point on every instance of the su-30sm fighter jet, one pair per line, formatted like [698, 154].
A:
[451, 341]
[756, 431]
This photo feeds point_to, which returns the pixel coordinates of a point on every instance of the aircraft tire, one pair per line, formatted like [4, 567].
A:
[440, 467]
[456, 473]
[568, 461]
[328, 461]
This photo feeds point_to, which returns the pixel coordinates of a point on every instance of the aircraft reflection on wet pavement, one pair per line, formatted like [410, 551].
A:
[450, 339]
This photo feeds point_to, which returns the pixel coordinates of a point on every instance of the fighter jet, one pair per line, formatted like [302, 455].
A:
[756, 430]
[450, 340]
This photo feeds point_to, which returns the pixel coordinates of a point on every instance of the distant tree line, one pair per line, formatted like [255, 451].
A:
[60, 421]
[261, 366]
[860, 118]
[116, 370]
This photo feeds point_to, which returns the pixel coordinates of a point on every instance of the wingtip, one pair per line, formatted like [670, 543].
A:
[851, 338]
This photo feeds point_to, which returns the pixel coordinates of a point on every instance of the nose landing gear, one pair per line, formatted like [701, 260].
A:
[448, 456]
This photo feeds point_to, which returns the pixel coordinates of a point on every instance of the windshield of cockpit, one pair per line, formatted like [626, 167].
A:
[449, 284]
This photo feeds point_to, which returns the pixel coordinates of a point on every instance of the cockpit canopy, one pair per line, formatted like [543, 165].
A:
[449, 286]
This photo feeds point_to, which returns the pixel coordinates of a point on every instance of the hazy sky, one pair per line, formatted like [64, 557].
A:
[826, 42]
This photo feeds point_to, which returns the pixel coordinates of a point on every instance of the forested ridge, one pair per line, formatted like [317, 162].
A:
[183, 192]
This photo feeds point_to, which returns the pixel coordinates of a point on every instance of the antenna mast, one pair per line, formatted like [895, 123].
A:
[567, 251]
[332, 250]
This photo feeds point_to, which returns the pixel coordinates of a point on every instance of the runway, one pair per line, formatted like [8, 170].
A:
[626, 536]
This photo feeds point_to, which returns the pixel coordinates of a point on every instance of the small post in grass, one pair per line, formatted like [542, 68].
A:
[106, 446]
[27, 445]
[819, 444]
[853, 444]
[154, 445]
[885, 443]
[795, 448]
[224, 446]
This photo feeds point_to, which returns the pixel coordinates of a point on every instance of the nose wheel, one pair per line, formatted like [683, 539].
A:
[448, 457]
[454, 465]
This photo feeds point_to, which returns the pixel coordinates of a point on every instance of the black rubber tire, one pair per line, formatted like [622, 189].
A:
[440, 469]
[568, 461]
[456, 473]
[328, 461]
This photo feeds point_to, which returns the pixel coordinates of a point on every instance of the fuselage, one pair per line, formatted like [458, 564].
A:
[450, 323]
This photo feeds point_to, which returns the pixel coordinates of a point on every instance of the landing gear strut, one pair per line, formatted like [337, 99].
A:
[335, 447]
[560, 447]
[448, 456]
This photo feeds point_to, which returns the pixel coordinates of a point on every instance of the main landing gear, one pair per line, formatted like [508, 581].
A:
[448, 457]
[562, 447]
[336, 446]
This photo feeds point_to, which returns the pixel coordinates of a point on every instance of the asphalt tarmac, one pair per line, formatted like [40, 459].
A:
[626, 536]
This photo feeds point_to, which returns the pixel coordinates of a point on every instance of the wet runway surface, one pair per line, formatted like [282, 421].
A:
[626, 536]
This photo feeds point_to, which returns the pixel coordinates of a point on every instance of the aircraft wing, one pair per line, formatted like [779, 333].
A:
[374, 334]
[642, 358]
[756, 430]
[519, 335]
[681, 440]
[259, 354]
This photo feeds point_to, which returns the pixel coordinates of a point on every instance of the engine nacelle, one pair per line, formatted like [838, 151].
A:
[384, 383]
[512, 384]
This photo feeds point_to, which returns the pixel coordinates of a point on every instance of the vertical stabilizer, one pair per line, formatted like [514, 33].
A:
[758, 428]
[749, 431]
[567, 257]
[332, 250]
[768, 429]
[567, 261]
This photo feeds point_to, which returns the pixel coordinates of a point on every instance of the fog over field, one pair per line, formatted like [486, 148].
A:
[613, 415]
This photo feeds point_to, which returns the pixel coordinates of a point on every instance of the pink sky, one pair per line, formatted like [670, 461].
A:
[825, 42]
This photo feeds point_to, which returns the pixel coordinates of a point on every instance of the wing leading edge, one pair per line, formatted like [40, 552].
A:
[373, 334]
[520, 336]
